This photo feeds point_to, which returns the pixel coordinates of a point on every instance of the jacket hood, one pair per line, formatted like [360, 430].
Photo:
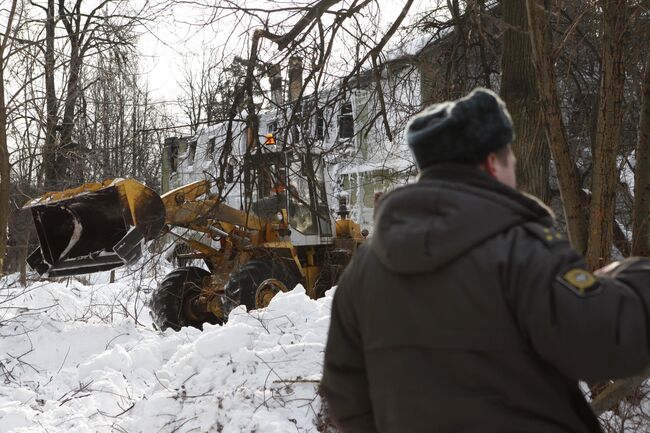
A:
[450, 210]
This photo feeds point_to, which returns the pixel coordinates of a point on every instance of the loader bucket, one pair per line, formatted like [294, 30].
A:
[96, 227]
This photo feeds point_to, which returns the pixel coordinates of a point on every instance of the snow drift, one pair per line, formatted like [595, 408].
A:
[83, 357]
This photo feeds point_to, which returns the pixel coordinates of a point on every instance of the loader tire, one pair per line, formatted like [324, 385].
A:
[243, 283]
[177, 288]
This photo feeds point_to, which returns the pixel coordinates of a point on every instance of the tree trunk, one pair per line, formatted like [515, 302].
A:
[5, 167]
[641, 209]
[5, 170]
[66, 146]
[608, 135]
[49, 147]
[518, 88]
[570, 191]
[23, 253]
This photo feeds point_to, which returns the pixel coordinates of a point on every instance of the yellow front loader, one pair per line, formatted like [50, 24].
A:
[250, 255]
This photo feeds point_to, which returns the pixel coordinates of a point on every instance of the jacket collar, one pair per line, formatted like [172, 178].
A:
[471, 176]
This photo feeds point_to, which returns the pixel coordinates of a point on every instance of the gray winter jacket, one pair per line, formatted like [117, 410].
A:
[467, 312]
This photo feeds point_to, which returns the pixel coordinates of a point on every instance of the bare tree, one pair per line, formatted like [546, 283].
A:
[48, 82]
[5, 165]
[641, 209]
[519, 91]
[118, 123]
[86, 30]
[608, 134]
[313, 37]
[569, 181]
[197, 86]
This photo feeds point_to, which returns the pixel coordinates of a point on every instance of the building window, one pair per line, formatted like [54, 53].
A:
[346, 121]
[173, 155]
[320, 126]
[191, 151]
[230, 172]
[210, 149]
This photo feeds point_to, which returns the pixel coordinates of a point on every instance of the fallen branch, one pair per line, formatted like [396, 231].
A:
[617, 391]
[284, 381]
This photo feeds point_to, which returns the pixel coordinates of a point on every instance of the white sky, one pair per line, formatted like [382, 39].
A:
[163, 49]
[178, 40]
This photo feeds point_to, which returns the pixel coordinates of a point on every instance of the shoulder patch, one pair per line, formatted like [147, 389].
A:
[579, 281]
[548, 235]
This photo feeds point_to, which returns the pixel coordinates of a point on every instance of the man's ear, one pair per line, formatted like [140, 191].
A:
[490, 164]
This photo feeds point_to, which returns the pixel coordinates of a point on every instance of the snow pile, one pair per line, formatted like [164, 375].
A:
[84, 358]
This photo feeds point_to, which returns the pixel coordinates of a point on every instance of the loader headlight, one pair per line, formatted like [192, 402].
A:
[279, 215]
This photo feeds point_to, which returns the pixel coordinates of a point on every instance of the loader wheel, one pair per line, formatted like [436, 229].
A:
[170, 301]
[267, 290]
[244, 282]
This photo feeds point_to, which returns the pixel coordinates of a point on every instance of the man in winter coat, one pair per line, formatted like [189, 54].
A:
[467, 312]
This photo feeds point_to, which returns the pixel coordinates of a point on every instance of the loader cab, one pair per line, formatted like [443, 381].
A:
[295, 182]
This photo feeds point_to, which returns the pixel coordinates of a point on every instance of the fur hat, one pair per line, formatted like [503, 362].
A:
[465, 130]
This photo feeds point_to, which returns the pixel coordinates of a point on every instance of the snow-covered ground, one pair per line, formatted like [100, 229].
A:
[83, 357]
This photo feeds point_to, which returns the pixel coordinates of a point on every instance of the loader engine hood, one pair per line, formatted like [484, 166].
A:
[424, 226]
